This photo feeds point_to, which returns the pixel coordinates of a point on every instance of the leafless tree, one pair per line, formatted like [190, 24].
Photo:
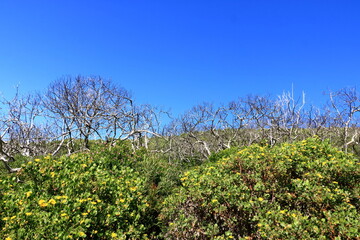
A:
[22, 128]
[91, 107]
[23, 131]
[244, 121]
[194, 125]
[317, 122]
[345, 104]
[140, 123]
[288, 117]
[85, 106]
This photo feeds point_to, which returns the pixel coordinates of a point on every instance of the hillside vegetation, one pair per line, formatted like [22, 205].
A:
[303, 190]
[84, 160]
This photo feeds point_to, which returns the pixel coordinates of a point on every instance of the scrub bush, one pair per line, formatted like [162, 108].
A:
[304, 190]
[92, 195]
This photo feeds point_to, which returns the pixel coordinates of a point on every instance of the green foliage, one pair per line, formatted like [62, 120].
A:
[161, 178]
[223, 154]
[18, 161]
[92, 195]
[304, 190]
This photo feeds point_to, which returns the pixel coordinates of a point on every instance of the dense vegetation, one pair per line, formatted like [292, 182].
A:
[85, 161]
[304, 190]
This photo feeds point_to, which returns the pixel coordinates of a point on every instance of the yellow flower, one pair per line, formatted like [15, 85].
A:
[84, 213]
[37, 160]
[52, 174]
[42, 203]
[82, 234]
[113, 235]
[63, 215]
[28, 213]
[260, 199]
[52, 201]
[319, 175]
[122, 200]
[8, 238]
[214, 200]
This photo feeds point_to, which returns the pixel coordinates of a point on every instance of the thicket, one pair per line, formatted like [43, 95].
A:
[72, 112]
[92, 195]
[303, 190]
[84, 160]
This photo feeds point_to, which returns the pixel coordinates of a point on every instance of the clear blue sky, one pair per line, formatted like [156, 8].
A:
[177, 54]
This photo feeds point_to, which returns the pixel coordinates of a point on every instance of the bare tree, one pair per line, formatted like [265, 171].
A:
[346, 104]
[24, 129]
[6, 158]
[288, 117]
[86, 106]
[140, 123]
[21, 127]
[317, 122]
[195, 124]
[95, 108]
[244, 121]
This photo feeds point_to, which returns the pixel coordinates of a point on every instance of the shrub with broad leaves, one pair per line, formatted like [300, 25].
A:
[92, 195]
[305, 190]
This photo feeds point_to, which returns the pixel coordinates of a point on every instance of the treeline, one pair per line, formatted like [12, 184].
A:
[73, 111]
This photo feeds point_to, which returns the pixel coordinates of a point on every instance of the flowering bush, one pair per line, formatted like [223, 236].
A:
[304, 190]
[90, 195]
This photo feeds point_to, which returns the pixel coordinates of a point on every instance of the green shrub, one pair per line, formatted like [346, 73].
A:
[223, 154]
[161, 178]
[304, 190]
[92, 195]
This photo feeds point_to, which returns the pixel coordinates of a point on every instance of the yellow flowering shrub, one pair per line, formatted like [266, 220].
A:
[304, 190]
[92, 195]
